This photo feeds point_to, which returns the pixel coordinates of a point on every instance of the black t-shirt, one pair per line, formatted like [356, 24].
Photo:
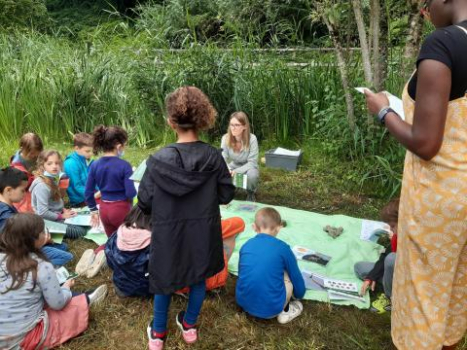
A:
[449, 46]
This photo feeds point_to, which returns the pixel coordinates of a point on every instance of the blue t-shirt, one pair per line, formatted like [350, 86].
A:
[112, 176]
[260, 286]
[6, 212]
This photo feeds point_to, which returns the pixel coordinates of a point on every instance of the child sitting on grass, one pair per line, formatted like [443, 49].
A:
[30, 146]
[383, 270]
[268, 274]
[127, 253]
[36, 312]
[46, 197]
[76, 167]
[13, 184]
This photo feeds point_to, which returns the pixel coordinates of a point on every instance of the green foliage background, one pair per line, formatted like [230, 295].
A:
[68, 65]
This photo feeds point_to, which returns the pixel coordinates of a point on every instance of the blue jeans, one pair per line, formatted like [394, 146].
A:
[57, 253]
[162, 303]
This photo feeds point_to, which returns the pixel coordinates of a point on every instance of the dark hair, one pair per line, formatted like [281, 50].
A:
[82, 139]
[390, 212]
[106, 138]
[189, 108]
[268, 218]
[30, 142]
[11, 177]
[41, 160]
[138, 219]
[18, 243]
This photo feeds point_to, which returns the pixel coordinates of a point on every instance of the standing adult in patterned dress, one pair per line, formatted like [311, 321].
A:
[430, 283]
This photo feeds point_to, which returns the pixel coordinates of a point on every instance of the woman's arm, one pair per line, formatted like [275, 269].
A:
[425, 137]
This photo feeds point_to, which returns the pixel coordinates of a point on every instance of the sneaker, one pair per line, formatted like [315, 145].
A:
[190, 335]
[295, 309]
[98, 295]
[154, 343]
[381, 304]
[99, 262]
[85, 262]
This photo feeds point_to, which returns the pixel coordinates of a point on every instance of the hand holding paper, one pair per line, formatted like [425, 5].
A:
[376, 101]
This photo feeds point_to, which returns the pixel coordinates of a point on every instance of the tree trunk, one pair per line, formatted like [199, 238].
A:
[375, 18]
[366, 59]
[343, 72]
[385, 44]
[414, 38]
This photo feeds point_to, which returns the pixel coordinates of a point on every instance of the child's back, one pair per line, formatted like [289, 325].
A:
[21, 308]
[260, 287]
[112, 176]
[181, 187]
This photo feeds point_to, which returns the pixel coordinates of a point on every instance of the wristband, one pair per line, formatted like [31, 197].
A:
[60, 217]
[383, 112]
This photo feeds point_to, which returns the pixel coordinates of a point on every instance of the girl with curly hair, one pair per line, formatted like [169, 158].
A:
[182, 188]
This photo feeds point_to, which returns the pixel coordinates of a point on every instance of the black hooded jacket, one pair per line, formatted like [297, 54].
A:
[182, 188]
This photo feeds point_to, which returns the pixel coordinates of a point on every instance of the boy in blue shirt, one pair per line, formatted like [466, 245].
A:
[76, 167]
[268, 273]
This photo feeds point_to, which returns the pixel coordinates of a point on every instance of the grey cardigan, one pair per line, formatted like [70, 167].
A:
[244, 160]
[42, 202]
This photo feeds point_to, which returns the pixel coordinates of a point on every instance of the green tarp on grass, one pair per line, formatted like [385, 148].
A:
[305, 228]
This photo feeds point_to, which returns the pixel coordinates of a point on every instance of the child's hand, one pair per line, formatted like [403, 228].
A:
[95, 220]
[367, 284]
[97, 195]
[69, 284]
[68, 213]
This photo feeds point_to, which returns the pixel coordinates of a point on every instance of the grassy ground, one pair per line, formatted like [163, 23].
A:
[321, 185]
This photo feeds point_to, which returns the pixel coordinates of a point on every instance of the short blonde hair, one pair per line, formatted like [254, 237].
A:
[268, 218]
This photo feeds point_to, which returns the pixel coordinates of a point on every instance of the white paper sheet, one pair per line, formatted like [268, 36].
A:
[286, 152]
[369, 228]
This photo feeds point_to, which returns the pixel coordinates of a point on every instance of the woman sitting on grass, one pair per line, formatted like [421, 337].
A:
[240, 151]
[36, 312]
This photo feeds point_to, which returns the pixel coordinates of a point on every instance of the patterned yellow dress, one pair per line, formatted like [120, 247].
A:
[430, 282]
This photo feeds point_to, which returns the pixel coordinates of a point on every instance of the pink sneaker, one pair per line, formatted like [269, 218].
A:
[190, 335]
[154, 343]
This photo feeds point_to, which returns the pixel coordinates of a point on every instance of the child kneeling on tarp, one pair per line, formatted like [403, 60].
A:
[383, 270]
[127, 253]
[268, 274]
